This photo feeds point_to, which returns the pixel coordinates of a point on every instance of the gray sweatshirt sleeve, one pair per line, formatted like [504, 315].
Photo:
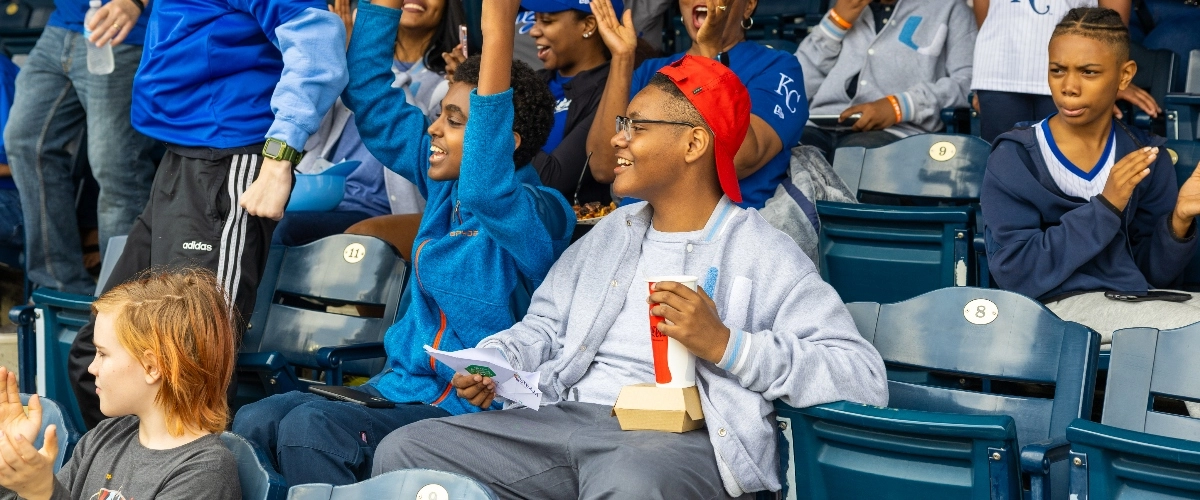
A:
[811, 357]
[535, 339]
[922, 103]
[818, 53]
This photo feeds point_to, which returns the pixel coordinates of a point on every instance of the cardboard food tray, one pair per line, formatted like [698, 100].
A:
[647, 407]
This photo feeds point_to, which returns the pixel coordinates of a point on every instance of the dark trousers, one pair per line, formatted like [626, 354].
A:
[829, 140]
[192, 220]
[300, 228]
[314, 440]
[1000, 111]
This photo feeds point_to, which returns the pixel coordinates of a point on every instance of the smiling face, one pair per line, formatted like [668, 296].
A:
[125, 386]
[696, 11]
[1085, 75]
[653, 161]
[560, 41]
[446, 134]
[422, 15]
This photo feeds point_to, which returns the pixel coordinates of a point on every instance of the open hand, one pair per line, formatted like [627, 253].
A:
[876, 115]
[616, 30]
[477, 389]
[1126, 175]
[710, 39]
[691, 318]
[13, 420]
[268, 195]
[113, 22]
[27, 471]
[1187, 206]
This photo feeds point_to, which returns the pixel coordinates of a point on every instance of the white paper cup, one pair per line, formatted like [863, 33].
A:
[674, 365]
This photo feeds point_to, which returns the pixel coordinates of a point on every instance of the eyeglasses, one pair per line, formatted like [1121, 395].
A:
[625, 124]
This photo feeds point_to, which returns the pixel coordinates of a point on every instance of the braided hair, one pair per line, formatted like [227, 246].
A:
[1102, 25]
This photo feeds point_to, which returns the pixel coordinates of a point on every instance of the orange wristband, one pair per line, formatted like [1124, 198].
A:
[896, 107]
[838, 20]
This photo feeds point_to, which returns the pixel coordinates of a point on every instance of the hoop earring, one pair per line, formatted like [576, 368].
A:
[744, 26]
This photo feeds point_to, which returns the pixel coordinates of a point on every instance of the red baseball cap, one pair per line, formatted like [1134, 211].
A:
[719, 96]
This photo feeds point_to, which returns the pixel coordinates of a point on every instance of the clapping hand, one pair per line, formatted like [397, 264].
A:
[1126, 175]
[13, 419]
[615, 29]
[1187, 206]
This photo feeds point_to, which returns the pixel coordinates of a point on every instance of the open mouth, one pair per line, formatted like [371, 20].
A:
[623, 164]
[414, 6]
[436, 154]
[699, 14]
[543, 51]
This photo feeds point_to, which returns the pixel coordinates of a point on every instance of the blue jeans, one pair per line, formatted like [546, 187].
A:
[56, 98]
[314, 440]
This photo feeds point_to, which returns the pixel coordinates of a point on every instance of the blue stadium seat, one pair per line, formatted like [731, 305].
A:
[327, 311]
[45, 331]
[1138, 451]
[68, 434]
[1183, 116]
[21, 24]
[982, 384]
[886, 253]
[258, 478]
[422, 484]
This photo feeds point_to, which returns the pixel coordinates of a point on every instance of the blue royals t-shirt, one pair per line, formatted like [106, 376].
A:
[561, 105]
[776, 86]
[69, 14]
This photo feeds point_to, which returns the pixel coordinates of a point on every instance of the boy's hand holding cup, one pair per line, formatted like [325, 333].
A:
[683, 324]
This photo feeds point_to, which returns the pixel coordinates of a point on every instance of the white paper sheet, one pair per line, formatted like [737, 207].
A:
[511, 384]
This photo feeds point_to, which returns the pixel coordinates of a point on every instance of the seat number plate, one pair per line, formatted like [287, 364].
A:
[981, 311]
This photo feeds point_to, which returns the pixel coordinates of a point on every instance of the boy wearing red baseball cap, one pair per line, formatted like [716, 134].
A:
[763, 325]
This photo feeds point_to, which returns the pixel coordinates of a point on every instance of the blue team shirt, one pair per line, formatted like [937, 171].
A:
[776, 86]
[561, 105]
[68, 14]
[8, 87]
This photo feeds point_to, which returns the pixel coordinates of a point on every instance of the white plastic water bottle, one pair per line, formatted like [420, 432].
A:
[99, 58]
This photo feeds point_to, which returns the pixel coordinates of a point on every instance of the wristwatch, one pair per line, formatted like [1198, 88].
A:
[276, 149]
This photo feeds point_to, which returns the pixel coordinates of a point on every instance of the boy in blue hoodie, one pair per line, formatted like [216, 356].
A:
[233, 88]
[489, 234]
[1079, 206]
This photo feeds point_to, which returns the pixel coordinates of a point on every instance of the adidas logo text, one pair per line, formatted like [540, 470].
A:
[196, 245]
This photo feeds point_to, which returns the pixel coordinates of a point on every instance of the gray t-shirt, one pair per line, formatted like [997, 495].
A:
[625, 356]
[110, 462]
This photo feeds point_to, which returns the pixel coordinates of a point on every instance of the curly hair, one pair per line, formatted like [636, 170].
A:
[533, 106]
[1102, 25]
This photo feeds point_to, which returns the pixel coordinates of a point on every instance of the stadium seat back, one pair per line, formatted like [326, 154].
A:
[974, 375]
[422, 484]
[258, 478]
[44, 339]
[68, 434]
[939, 168]
[1139, 450]
[337, 292]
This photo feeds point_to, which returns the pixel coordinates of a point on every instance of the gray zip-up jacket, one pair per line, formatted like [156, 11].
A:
[793, 339]
[923, 56]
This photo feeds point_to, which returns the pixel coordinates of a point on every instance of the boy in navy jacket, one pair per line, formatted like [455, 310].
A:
[233, 88]
[489, 234]
[1079, 205]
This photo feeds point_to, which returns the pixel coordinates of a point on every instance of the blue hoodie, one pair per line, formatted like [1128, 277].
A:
[1045, 244]
[486, 240]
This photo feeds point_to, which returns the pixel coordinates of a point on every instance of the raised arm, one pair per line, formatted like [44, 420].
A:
[621, 39]
[392, 129]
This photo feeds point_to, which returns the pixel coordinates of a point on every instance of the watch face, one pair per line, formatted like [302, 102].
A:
[273, 148]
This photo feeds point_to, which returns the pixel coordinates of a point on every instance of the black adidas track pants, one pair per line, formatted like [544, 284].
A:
[193, 219]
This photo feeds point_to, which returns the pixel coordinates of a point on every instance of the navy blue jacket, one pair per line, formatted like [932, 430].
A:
[1045, 244]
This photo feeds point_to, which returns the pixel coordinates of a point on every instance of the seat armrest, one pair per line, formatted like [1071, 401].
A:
[21, 315]
[270, 361]
[333, 357]
[1037, 457]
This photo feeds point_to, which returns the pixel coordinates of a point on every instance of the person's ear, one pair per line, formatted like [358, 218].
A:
[1128, 70]
[589, 26]
[750, 6]
[699, 142]
[516, 141]
[152, 366]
